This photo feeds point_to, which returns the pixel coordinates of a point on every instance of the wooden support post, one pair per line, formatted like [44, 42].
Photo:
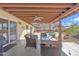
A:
[60, 38]
[60, 32]
[50, 27]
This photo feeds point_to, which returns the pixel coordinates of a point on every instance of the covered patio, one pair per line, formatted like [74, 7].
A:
[35, 19]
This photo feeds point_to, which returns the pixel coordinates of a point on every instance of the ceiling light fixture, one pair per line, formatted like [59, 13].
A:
[38, 22]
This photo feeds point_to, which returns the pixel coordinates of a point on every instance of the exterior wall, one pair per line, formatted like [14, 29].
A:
[21, 25]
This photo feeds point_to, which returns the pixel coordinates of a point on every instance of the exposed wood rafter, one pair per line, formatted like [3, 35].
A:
[73, 9]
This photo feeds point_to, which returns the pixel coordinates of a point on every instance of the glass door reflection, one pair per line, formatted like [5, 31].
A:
[4, 30]
[13, 34]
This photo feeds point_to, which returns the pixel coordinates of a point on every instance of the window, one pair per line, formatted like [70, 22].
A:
[4, 30]
[13, 34]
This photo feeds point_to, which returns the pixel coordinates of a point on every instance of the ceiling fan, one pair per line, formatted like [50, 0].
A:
[37, 22]
[38, 18]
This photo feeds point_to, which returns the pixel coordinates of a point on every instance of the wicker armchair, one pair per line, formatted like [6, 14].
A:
[30, 42]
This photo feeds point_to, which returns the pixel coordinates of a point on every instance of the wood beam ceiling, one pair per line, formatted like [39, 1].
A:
[31, 8]
[68, 12]
[36, 10]
[26, 12]
[46, 19]
[47, 5]
[31, 19]
[36, 13]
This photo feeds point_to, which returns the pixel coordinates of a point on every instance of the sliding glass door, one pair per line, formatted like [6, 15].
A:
[8, 31]
[13, 34]
[4, 30]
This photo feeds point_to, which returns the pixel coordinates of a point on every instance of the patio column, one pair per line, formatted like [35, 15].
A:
[60, 38]
[60, 33]
[49, 27]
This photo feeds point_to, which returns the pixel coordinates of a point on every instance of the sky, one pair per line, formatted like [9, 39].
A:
[74, 19]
